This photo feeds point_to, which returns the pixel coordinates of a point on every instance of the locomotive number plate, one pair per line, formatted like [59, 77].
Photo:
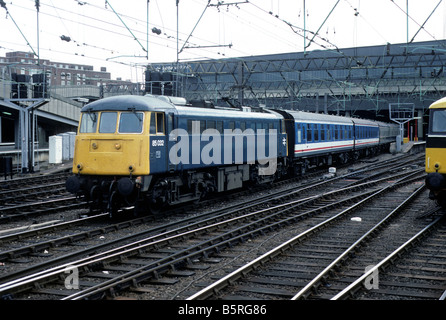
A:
[157, 143]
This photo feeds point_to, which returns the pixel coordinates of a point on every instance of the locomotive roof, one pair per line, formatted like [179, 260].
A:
[223, 113]
[438, 104]
[153, 103]
[128, 102]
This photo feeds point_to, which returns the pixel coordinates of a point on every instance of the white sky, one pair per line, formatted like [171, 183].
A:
[99, 38]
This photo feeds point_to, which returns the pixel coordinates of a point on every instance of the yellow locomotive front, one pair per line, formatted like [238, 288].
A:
[115, 155]
[112, 143]
[436, 152]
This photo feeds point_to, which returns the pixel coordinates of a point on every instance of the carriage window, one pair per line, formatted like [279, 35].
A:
[88, 122]
[309, 136]
[131, 122]
[439, 120]
[108, 122]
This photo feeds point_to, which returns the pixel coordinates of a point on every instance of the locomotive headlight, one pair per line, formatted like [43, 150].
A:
[79, 166]
[437, 166]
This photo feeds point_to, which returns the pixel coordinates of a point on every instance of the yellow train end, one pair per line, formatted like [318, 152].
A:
[435, 165]
[128, 154]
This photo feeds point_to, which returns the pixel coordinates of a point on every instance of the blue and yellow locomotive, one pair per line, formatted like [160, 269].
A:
[145, 151]
[436, 152]
[149, 152]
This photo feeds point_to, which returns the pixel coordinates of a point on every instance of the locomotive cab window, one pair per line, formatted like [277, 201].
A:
[89, 122]
[438, 120]
[108, 122]
[131, 122]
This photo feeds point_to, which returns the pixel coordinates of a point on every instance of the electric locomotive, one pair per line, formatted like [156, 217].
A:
[436, 152]
[147, 152]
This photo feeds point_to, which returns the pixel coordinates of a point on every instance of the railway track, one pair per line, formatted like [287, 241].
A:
[29, 197]
[160, 262]
[338, 261]
[412, 271]
[91, 228]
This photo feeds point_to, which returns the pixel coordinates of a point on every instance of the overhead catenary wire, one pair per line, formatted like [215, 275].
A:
[134, 37]
[422, 26]
[104, 22]
[410, 17]
[3, 5]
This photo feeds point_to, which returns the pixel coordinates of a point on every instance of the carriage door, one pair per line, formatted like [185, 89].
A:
[158, 143]
[299, 134]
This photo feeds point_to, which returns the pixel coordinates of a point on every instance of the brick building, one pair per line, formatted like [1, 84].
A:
[59, 73]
